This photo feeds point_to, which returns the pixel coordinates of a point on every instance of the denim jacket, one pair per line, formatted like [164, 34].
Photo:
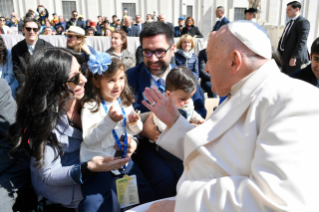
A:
[191, 63]
[8, 75]
[60, 180]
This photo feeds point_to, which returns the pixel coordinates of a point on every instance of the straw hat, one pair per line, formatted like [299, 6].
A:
[77, 31]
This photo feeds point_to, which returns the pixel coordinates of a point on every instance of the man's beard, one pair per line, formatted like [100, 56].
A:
[157, 72]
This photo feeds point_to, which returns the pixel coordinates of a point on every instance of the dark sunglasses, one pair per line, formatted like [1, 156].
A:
[2, 19]
[70, 36]
[76, 79]
[158, 53]
[75, 14]
[29, 29]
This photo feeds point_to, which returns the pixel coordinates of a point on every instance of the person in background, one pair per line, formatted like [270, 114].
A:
[29, 15]
[149, 17]
[23, 51]
[48, 31]
[6, 67]
[129, 28]
[14, 23]
[310, 74]
[4, 29]
[220, 13]
[47, 23]
[104, 31]
[251, 14]
[60, 30]
[34, 12]
[100, 21]
[178, 29]
[205, 77]
[89, 32]
[74, 21]
[139, 23]
[43, 13]
[114, 23]
[60, 23]
[191, 29]
[162, 18]
[55, 19]
[119, 49]
[185, 56]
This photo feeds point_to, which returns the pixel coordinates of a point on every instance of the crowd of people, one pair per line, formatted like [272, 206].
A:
[76, 122]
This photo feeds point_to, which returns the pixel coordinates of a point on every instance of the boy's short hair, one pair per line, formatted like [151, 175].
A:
[315, 47]
[180, 78]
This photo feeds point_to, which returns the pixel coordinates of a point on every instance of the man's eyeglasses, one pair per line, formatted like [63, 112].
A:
[29, 29]
[158, 53]
[76, 79]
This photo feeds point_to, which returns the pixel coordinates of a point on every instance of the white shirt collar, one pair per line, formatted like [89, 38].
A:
[31, 48]
[221, 18]
[163, 77]
[295, 17]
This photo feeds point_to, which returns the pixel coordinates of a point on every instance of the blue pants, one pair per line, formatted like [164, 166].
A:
[99, 191]
[161, 168]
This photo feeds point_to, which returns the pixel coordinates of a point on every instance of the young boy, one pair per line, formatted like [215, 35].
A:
[181, 82]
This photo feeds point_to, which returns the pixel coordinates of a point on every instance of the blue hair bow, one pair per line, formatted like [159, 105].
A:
[99, 62]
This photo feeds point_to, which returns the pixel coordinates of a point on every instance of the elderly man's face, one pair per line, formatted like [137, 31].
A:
[48, 31]
[217, 60]
[157, 66]
[138, 19]
[127, 22]
[61, 19]
[13, 16]
[162, 18]
[315, 64]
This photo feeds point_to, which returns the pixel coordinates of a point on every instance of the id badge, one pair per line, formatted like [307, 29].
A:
[127, 193]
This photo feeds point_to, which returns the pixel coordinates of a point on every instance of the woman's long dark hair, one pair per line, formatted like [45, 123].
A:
[3, 52]
[42, 102]
[93, 94]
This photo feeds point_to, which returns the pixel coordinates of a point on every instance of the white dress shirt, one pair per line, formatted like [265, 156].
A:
[31, 48]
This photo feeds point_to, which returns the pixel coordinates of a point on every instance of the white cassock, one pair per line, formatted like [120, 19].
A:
[259, 151]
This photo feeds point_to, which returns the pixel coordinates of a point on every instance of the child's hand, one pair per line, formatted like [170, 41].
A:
[114, 115]
[133, 118]
[200, 121]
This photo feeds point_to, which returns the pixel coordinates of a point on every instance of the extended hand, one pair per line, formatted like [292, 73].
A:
[162, 206]
[105, 164]
[292, 62]
[149, 129]
[114, 115]
[132, 118]
[131, 146]
[86, 49]
[162, 107]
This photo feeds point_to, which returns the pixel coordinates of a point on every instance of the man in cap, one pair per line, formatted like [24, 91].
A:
[55, 20]
[74, 21]
[251, 14]
[255, 152]
[293, 43]
[220, 13]
[76, 42]
[310, 74]
[23, 50]
[178, 29]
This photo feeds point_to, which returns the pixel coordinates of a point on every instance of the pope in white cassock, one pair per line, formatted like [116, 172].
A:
[259, 151]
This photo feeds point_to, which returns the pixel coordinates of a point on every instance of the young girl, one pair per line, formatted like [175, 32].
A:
[108, 121]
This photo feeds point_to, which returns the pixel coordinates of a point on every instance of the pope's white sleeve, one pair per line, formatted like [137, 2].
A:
[95, 129]
[284, 171]
[172, 139]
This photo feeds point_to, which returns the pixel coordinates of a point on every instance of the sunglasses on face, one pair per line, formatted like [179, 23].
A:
[2, 20]
[76, 78]
[75, 14]
[29, 29]
[70, 36]
[158, 53]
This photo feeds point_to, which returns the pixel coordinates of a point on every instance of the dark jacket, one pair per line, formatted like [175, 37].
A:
[20, 60]
[56, 26]
[138, 80]
[131, 32]
[171, 25]
[202, 59]
[139, 30]
[79, 23]
[41, 18]
[295, 42]
[306, 75]
[177, 32]
[192, 32]
[191, 63]
[220, 23]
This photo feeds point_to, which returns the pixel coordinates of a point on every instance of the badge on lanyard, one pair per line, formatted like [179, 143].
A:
[126, 189]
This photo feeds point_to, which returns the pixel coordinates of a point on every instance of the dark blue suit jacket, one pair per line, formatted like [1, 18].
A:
[131, 32]
[177, 32]
[138, 80]
[220, 23]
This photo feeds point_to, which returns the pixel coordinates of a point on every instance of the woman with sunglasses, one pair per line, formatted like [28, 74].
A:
[49, 127]
[3, 28]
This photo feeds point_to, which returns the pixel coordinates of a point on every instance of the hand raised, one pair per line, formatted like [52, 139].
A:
[105, 164]
[133, 118]
[163, 108]
[114, 115]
